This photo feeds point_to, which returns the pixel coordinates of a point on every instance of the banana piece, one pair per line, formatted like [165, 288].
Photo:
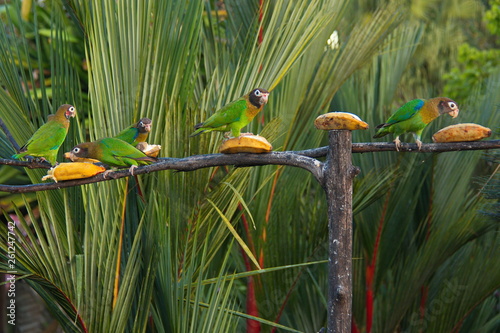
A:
[75, 170]
[246, 144]
[461, 132]
[149, 150]
[339, 121]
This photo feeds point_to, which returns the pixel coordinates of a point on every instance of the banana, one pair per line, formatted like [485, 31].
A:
[339, 121]
[149, 150]
[461, 132]
[75, 170]
[246, 144]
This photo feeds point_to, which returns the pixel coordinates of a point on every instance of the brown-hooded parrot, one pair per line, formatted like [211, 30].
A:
[414, 116]
[111, 151]
[235, 115]
[46, 141]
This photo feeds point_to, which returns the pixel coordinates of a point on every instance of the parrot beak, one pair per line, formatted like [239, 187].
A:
[70, 156]
[147, 127]
[265, 97]
[70, 113]
[454, 113]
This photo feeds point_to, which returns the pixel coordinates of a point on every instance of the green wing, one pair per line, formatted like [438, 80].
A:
[47, 139]
[128, 135]
[230, 113]
[116, 152]
[405, 112]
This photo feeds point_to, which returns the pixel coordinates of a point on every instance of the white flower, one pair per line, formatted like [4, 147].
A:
[333, 41]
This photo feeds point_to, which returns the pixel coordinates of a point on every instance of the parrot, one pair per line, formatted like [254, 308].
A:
[414, 116]
[46, 141]
[235, 115]
[111, 151]
[136, 133]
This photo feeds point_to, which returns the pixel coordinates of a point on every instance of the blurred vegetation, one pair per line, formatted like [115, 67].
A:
[424, 252]
[475, 65]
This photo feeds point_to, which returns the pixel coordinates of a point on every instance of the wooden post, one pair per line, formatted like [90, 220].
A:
[338, 177]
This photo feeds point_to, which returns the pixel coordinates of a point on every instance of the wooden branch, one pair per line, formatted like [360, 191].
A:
[338, 178]
[305, 159]
[26, 164]
[184, 164]
[372, 147]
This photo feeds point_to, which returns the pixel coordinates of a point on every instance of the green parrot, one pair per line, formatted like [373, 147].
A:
[235, 115]
[414, 116]
[111, 151]
[46, 141]
[136, 133]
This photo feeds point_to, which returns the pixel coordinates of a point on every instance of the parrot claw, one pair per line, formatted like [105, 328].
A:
[419, 144]
[398, 143]
[246, 134]
[131, 169]
[105, 173]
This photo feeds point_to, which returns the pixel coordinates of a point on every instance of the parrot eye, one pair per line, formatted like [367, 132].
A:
[72, 109]
[76, 150]
[257, 93]
[452, 105]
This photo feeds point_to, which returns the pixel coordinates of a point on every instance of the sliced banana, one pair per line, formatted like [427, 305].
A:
[339, 121]
[246, 144]
[149, 150]
[461, 132]
[74, 170]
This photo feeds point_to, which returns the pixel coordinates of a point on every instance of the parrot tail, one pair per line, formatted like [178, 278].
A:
[199, 129]
[381, 131]
[18, 156]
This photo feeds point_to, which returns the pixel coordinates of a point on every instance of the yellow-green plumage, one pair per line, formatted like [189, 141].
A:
[46, 141]
[414, 116]
[111, 151]
[235, 115]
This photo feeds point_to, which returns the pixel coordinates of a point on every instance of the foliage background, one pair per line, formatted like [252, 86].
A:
[425, 255]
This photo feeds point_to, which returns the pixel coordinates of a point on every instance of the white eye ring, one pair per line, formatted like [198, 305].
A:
[257, 92]
[76, 150]
[452, 105]
[72, 109]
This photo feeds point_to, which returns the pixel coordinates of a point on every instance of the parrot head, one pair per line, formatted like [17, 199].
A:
[69, 110]
[258, 97]
[448, 106]
[80, 153]
[144, 125]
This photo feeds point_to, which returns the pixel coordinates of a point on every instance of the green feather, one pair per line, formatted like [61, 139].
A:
[113, 152]
[47, 140]
[235, 115]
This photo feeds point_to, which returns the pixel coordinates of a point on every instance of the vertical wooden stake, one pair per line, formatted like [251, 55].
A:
[338, 176]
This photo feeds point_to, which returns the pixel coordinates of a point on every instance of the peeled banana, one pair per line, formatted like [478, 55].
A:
[75, 170]
[339, 121]
[149, 150]
[461, 132]
[246, 144]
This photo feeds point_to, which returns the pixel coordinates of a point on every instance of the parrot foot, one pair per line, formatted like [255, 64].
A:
[131, 169]
[398, 143]
[106, 173]
[246, 134]
[419, 144]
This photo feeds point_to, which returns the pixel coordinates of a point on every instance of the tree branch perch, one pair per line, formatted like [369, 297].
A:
[305, 159]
